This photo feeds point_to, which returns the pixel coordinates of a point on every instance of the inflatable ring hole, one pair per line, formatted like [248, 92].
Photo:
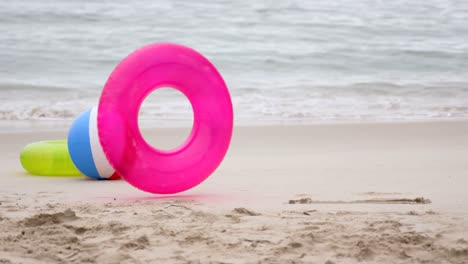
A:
[165, 118]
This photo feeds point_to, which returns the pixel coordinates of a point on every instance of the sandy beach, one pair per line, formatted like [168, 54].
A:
[350, 141]
[329, 193]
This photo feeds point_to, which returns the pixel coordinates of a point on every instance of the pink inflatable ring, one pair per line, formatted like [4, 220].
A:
[143, 71]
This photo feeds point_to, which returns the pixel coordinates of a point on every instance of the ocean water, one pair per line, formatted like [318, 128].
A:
[284, 61]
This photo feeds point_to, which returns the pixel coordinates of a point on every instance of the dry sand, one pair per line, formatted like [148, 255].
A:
[342, 193]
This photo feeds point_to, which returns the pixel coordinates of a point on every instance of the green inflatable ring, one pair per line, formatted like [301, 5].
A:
[48, 158]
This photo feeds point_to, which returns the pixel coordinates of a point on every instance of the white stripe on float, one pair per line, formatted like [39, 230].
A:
[102, 165]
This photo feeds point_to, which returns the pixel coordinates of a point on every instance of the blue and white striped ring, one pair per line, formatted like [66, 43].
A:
[86, 150]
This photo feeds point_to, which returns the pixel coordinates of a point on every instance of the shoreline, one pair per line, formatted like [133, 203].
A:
[25, 126]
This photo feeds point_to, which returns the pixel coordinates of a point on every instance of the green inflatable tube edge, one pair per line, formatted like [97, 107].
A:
[48, 158]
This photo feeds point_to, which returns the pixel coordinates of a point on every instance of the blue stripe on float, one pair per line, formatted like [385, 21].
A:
[80, 147]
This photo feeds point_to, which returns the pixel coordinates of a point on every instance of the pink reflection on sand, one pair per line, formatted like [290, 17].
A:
[197, 197]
